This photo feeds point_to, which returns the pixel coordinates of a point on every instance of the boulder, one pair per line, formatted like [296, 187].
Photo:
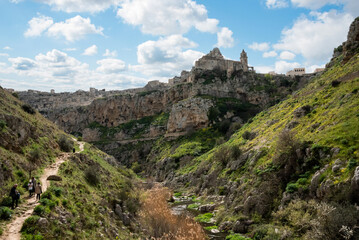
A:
[42, 223]
[241, 226]
[207, 208]
[54, 178]
[226, 226]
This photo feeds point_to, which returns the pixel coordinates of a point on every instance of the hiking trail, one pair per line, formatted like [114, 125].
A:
[12, 231]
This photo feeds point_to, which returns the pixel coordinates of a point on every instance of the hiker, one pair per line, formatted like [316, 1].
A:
[33, 185]
[30, 187]
[73, 150]
[38, 191]
[15, 195]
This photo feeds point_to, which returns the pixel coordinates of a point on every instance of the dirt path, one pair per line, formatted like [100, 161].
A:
[12, 231]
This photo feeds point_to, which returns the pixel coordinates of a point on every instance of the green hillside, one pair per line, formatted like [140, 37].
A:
[284, 168]
[95, 198]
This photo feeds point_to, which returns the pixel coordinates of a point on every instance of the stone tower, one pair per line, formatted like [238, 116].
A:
[244, 60]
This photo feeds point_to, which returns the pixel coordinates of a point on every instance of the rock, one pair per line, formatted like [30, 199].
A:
[118, 210]
[226, 226]
[314, 183]
[351, 46]
[292, 124]
[54, 178]
[241, 226]
[334, 151]
[337, 165]
[126, 220]
[214, 231]
[43, 223]
[302, 111]
[355, 179]
[189, 114]
[207, 208]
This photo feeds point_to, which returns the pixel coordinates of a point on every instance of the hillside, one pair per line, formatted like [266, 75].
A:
[81, 206]
[291, 171]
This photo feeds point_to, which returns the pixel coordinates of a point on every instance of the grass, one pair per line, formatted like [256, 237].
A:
[204, 218]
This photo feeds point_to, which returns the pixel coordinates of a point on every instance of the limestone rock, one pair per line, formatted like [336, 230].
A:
[241, 226]
[189, 114]
[207, 208]
[226, 226]
[43, 223]
[54, 178]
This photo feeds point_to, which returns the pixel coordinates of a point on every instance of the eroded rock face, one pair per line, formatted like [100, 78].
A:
[189, 114]
[351, 46]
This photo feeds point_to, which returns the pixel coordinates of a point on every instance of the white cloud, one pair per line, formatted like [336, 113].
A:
[164, 50]
[165, 57]
[74, 29]
[315, 39]
[276, 3]
[4, 55]
[270, 54]
[80, 5]
[22, 64]
[108, 53]
[70, 49]
[264, 69]
[111, 65]
[314, 4]
[225, 38]
[57, 70]
[38, 25]
[350, 6]
[167, 17]
[286, 55]
[284, 67]
[7, 48]
[259, 46]
[90, 51]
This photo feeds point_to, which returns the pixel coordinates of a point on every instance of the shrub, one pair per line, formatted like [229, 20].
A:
[352, 163]
[57, 191]
[247, 135]
[291, 187]
[91, 176]
[47, 195]
[27, 108]
[35, 154]
[47, 202]
[2, 124]
[1, 231]
[39, 210]
[65, 202]
[222, 155]
[79, 138]
[235, 152]
[5, 213]
[65, 143]
[29, 225]
[16, 95]
[6, 201]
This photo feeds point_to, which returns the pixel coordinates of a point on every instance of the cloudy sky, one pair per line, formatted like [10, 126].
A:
[68, 45]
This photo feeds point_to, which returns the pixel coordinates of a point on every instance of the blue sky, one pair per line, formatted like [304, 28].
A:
[68, 45]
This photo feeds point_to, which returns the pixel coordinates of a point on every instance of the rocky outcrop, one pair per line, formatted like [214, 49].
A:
[351, 46]
[189, 114]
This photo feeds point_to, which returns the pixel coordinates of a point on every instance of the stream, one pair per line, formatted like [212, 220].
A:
[180, 207]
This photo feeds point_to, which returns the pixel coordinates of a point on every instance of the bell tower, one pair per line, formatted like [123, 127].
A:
[244, 60]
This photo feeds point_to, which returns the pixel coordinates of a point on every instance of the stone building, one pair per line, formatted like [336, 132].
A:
[296, 72]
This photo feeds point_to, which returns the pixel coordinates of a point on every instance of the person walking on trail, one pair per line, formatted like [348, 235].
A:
[15, 195]
[30, 187]
[38, 191]
[33, 184]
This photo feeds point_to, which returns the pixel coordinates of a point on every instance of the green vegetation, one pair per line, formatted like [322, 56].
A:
[134, 128]
[205, 218]
[193, 206]
[90, 189]
[5, 213]
[237, 236]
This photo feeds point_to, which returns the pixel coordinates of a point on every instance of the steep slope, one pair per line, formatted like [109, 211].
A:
[289, 173]
[95, 197]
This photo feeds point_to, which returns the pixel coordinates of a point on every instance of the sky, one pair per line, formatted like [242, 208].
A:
[68, 45]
